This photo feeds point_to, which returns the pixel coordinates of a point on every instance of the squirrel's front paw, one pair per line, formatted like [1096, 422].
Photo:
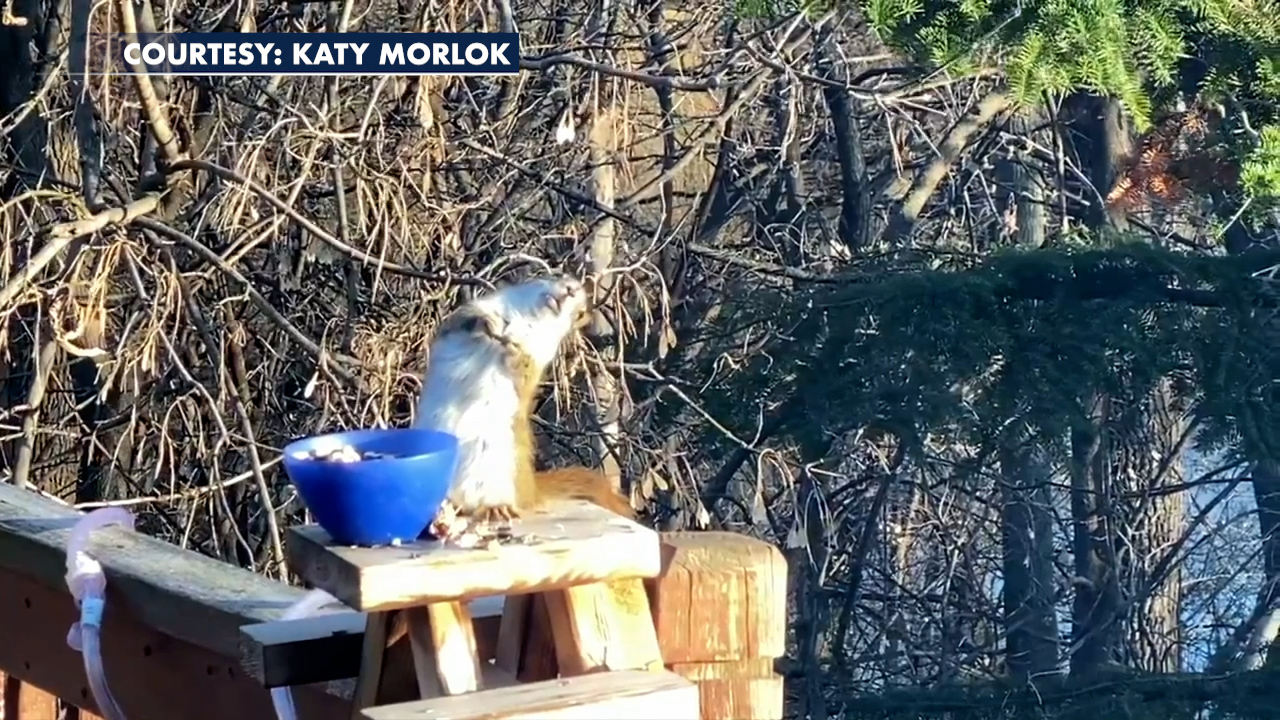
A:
[495, 514]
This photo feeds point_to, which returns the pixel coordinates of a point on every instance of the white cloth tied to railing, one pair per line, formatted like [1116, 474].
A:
[282, 697]
[88, 586]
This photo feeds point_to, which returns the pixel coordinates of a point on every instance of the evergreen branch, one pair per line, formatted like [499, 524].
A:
[1136, 274]
[1122, 684]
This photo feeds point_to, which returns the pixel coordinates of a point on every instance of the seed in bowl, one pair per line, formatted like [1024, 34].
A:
[344, 454]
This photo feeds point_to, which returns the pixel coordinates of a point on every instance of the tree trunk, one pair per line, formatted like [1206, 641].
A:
[606, 387]
[1262, 636]
[1026, 524]
[807, 560]
[1124, 521]
[1249, 647]
[1026, 515]
[1097, 591]
[1102, 139]
[1147, 460]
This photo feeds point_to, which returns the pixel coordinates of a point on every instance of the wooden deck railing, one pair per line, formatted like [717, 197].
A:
[176, 646]
[171, 629]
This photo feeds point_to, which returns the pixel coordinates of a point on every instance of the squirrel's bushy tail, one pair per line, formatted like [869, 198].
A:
[580, 483]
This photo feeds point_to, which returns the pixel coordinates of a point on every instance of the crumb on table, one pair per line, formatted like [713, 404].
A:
[462, 532]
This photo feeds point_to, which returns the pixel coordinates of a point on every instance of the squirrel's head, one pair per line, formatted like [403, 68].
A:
[535, 315]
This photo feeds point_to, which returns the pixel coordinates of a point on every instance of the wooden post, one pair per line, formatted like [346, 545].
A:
[720, 610]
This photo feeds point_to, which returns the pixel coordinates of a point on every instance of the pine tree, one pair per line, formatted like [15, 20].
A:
[1146, 53]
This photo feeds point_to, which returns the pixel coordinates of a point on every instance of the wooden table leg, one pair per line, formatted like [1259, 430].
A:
[525, 649]
[375, 642]
[512, 631]
[604, 626]
[445, 657]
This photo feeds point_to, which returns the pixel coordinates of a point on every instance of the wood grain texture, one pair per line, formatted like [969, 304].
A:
[570, 543]
[444, 649]
[721, 596]
[593, 631]
[736, 690]
[178, 592]
[624, 695]
[152, 675]
[328, 647]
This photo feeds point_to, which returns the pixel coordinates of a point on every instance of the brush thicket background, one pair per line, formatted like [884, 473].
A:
[969, 308]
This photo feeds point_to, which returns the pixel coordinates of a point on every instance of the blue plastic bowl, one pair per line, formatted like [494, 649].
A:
[377, 501]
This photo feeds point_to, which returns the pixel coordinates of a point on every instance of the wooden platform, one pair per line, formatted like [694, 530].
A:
[579, 544]
[589, 597]
[581, 564]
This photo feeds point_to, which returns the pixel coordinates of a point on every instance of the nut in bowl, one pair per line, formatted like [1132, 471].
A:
[373, 487]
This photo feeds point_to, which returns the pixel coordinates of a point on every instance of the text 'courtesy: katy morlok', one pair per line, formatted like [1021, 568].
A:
[307, 54]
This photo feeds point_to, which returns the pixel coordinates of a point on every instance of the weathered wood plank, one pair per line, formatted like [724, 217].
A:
[328, 647]
[153, 676]
[568, 544]
[603, 627]
[722, 596]
[307, 650]
[622, 695]
[178, 592]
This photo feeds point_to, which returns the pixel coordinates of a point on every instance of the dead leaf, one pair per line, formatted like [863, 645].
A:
[666, 339]
[795, 538]
[759, 514]
[704, 518]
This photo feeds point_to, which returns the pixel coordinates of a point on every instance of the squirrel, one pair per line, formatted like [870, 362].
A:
[486, 362]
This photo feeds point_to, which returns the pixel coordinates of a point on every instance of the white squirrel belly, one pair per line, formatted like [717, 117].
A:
[468, 392]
